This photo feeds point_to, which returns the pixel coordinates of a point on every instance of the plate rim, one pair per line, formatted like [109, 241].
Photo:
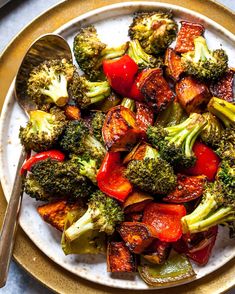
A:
[57, 6]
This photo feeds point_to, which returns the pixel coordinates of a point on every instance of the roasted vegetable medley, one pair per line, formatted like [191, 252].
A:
[136, 156]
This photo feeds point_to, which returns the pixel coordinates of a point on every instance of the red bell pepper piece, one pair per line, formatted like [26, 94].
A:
[121, 73]
[198, 246]
[166, 219]
[207, 162]
[53, 154]
[110, 178]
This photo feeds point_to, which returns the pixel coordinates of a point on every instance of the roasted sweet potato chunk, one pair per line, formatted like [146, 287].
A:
[55, 213]
[144, 117]
[72, 112]
[136, 201]
[192, 94]
[223, 88]
[156, 91]
[137, 236]
[188, 188]
[186, 35]
[157, 252]
[119, 129]
[173, 64]
[119, 258]
[134, 216]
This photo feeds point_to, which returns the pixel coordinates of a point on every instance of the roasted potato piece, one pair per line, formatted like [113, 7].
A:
[186, 35]
[144, 117]
[136, 202]
[155, 89]
[192, 94]
[55, 213]
[119, 258]
[157, 252]
[137, 236]
[223, 88]
[188, 188]
[173, 64]
[72, 112]
[119, 130]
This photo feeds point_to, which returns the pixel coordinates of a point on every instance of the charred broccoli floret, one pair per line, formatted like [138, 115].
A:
[76, 139]
[61, 179]
[43, 129]
[224, 110]
[151, 173]
[97, 122]
[175, 143]
[203, 63]
[86, 93]
[86, 165]
[48, 82]
[89, 52]
[218, 202]
[103, 214]
[154, 30]
[226, 146]
[212, 132]
[34, 190]
[143, 59]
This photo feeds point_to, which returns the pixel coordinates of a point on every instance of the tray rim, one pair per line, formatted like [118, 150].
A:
[55, 10]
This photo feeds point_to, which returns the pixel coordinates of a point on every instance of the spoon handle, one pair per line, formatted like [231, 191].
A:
[10, 223]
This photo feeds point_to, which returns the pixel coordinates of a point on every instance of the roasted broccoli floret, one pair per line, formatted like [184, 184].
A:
[151, 173]
[97, 122]
[226, 145]
[86, 93]
[175, 143]
[224, 110]
[76, 139]
[43, 129]
[203, 63]
[154, 30]
[218, 202]
[212, 132]
[48, 82]
[143, 59]
[86, 165]
[62, 179]
[89, 52]
[34, 190]
[103, 214]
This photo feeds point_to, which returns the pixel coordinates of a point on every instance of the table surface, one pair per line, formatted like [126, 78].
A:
[13, 17]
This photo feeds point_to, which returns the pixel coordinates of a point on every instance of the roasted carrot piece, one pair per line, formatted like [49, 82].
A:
[156, 91]
[173, 64]
[223, 88]
[192, 94]
[157, 252]
[188, 188]
[72, 112]
[137, 236]
[119, 258]
[55, 213]
[144, 117]
[119, 129]
[186, 35]
[136, 201]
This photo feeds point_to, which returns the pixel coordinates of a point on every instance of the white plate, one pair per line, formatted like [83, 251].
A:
[112, 24]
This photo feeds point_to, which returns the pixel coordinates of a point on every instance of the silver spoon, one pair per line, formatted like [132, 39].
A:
[49, 46]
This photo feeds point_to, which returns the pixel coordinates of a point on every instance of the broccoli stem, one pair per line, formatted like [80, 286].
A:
[218, 217]
[201, 50]
[57, 90]
[94, 145]
[81, 226]
[128, 103]
[223, 110]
